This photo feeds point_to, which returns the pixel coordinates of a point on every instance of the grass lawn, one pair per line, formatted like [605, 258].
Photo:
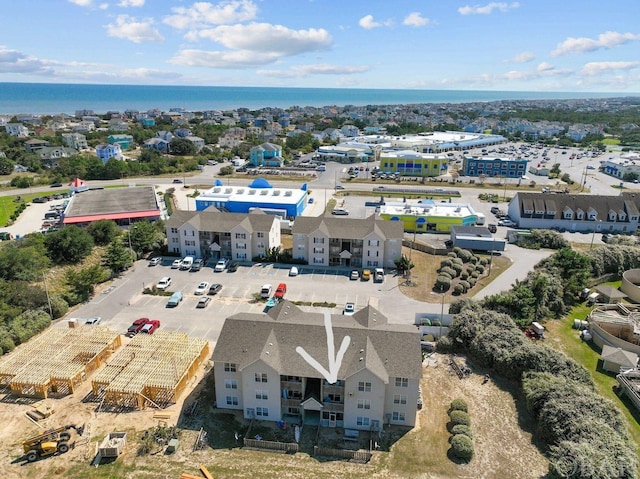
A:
[425, 272]
[8, 204]
[610, 141]
[564, 337]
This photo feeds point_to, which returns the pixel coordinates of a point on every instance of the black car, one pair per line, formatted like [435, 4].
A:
[233, 266]
[214, 288]
[55, 185]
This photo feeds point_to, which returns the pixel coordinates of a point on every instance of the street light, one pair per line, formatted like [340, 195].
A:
[593, 236]
[441, 312]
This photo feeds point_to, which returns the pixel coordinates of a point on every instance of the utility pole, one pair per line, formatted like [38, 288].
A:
[46, 290]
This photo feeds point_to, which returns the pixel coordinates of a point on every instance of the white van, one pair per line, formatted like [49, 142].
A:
[187, 262]
[378, 275]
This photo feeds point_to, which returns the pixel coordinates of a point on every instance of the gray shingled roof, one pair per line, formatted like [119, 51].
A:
[558, 202]
[113, 200]
[213, 220]
[353, 228]
[387, 350]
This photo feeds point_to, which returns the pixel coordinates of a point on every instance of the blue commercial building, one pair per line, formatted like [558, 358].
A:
[502, 167]
[285, 202]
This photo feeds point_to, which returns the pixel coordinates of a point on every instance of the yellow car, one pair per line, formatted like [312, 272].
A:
[366, 274]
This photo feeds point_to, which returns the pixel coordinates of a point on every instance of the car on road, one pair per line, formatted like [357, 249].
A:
[340, 187]
[591, 167]
[150, 326]
[136, 326]
[214, 289]
[493, 228]
[177, 181]
[55, 185]
[155, 261]
[202, 288]
[293, 271]
[366, 274]
[203, 302]
[93, 321]
[233, 267]
[176, 264]
[164, 283]
[349, 309]
[221, 265]
[175, 299]
[340, 211]
[354, 274]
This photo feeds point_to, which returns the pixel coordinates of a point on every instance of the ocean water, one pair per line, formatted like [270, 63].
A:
[53, 98]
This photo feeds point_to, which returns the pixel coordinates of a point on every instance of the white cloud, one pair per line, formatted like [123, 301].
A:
[523, 57]
[268, 39]
[13, 61]
[319, 69]
[487, 9]
[81, 3]
[415, 19]
[201, 14]
[368, 23]
[103, 6]
[543, 70]
[228, 59]
[131, 3]
[129, 28]
[545, 67]
[604, 41]
[598, 68]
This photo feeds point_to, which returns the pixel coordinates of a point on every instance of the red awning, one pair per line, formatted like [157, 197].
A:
[111, 216]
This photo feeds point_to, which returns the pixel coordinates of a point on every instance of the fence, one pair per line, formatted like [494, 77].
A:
[359, 456]
[289, 447]
[425, 248]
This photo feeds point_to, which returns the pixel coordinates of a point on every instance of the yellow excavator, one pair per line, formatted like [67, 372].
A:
[50, 442]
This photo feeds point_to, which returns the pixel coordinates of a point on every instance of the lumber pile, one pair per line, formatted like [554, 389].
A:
[204, 472]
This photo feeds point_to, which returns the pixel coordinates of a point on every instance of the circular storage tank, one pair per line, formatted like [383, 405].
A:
[631, 284]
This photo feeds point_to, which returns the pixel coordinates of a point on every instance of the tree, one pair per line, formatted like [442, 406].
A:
[23, 260]
[6, 166]
[103, 232]
[144, 237]
[69, 245]
[403, 264]
[181, 146]
[117, 258]
[82, 282]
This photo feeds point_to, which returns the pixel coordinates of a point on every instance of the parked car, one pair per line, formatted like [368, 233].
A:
[136, 326]
[214, 288]
[203, 302]
[493, 228]
[221, 265]
[266, 290]
[506, 222]
[349, 309]
[378, 275]
[280, 291]
[340, 187]
[197, 264]
[155, 261]
[366, 274]
[175, 299]
[150, 326]
[93, 321]
[202, 288]
[354, 274]
[233, 267]
[340, 211]
[176, 264]
[495, 210]
[164, 283]
[606, 237]
[310, 200]
[293, 271]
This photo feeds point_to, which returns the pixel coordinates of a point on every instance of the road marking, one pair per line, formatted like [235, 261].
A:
[111, 289]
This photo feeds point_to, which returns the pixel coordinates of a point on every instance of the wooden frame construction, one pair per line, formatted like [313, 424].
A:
[152, 369]
[57, 361]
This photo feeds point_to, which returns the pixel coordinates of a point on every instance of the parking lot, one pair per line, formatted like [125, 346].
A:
[123, 302]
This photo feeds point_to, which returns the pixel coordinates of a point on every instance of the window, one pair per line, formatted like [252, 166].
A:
[397, 416]
[318, 250]
[230, 367]
[398, 399]
[374, 243]
[262, 411]
[260, 377]
[364, 404]
[241, 236]
[362, 421]
[334, 398]
[262, 394]
[241, 245]
[189, 243]
[231, 384]
[174, 230]
[260, 234]
[402, 382]
[364, 386]
[318, 261]
[175, 240]
[232, 400]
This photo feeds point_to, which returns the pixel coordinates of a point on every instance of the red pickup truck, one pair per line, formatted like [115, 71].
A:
[280, 291]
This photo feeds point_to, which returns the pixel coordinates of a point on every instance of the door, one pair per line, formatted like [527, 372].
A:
[332, 419]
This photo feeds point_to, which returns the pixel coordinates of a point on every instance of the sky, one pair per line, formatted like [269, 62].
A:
[528, 45]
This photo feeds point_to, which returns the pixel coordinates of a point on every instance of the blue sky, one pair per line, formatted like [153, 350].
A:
[528, 45]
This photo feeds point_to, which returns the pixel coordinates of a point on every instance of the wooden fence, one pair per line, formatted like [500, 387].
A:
[359, 456]
[425, 248]
[288, 447]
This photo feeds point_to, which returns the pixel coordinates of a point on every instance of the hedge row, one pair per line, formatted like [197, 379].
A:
[460, 428]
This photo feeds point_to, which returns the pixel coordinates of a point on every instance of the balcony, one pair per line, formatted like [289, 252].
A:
[290, 402]
[332, 389]
[333, 407]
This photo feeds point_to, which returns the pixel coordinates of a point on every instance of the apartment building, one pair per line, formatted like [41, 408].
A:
[214, 234]
[369, 243]
[259, 370]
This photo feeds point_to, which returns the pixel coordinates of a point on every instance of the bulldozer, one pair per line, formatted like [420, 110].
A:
[49, 442]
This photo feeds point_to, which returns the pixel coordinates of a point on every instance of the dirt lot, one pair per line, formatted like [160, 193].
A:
[502, 448]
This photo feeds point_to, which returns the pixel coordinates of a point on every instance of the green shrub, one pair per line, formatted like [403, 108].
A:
[452, 255]
[472, 281]
[459, 417]
[474, 259]
[448, 271]
[457, 261]
[462, 447]
[475, 274]
[458, 405]
[457, 268]
[465, 255]
[445, 263]
[444, 345]
[464, 275]
[480, 269]
[484, 261]
[459, 289]
[465, 285]
[443, 283]
[462, 429]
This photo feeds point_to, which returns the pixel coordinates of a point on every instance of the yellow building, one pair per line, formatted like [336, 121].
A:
[412, 163]
[427, 216]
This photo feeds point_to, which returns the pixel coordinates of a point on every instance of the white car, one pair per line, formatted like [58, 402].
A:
[93, 321]
[176, 264]
[164, 283]
[293, 271]
[202, 288]
[349, 309]
[220, 266]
